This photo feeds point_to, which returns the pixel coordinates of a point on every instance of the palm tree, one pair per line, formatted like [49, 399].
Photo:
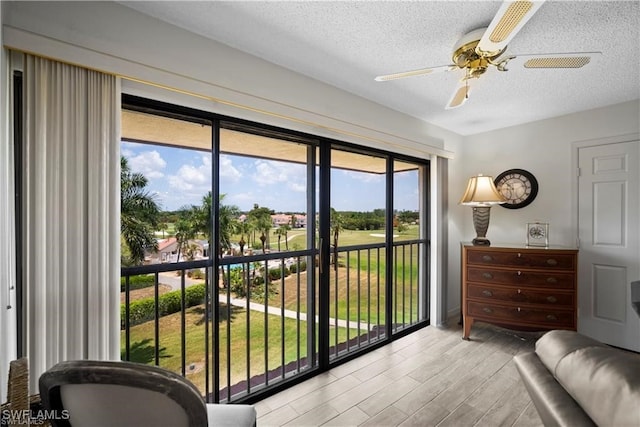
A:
[284, 229]
[202, 221]
[163, 227]
[337, 225]
[138, 214]
[185, 231]
[243, 228]
[279, 232]
[263, 224]
[227, 215]
[260, 220]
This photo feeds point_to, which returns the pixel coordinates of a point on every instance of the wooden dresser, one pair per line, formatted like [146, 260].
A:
[519, 287]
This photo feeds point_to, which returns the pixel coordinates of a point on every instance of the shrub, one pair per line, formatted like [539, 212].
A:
[143, 310]
[294, 267]
[277, 273]
[138, 282]
[170, 303]
[195, 273]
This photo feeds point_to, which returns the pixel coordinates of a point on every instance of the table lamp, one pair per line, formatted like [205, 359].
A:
[481, 193]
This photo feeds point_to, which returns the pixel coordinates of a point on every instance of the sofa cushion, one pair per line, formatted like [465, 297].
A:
[231, 415]
[555, 345]
[605, 382]
[555, 406]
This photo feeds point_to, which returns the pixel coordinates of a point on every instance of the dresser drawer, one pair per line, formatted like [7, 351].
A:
[524, 295]
[543, 317]
[538, 279]
[554, 261]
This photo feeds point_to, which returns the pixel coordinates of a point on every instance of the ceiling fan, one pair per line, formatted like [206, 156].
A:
[482, 48]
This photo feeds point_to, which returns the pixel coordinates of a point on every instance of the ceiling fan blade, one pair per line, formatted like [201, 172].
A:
[510, 19]
[460, 95]
[420, 72]
[550, 60]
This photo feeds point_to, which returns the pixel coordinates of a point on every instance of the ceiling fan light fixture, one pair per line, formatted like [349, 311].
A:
[566, 62]
[510, 20]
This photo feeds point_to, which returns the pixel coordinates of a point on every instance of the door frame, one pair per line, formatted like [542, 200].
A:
[575, 150]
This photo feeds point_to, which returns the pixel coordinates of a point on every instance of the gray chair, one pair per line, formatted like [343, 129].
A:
[103, 393]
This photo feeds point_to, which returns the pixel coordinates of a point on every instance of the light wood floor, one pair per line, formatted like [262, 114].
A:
[429, 378]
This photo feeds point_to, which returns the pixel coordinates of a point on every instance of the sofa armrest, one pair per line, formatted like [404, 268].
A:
[554, 405]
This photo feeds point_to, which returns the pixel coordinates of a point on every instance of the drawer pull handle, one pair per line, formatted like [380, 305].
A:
[519, 273]
[519, 291]
[552, 317]
[552, 280]
[552, 299]
[518, 309]
[487, 310]
[552, 261]
[519, 255]
[487, 275]
[487, 293]
[487, 258]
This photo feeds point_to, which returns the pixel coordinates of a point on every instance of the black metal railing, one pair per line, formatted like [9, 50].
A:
[252, 323]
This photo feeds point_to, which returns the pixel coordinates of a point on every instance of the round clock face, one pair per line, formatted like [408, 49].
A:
[537, 232]
[518, 186]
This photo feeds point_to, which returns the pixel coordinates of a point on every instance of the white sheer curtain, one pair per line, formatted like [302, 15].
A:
[71, 214]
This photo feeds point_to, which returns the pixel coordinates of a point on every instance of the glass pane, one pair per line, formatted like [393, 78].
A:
[165, 182]
[266, 250]
[357, 285]
[409, 248]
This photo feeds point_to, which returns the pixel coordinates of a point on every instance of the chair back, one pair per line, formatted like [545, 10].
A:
[107, 393]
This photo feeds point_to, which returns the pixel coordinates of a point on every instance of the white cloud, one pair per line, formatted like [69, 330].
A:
[268, 172]
[148, 163]
[195, 179]
[227, 170]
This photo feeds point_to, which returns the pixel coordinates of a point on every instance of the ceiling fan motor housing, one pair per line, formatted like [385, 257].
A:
[465, 55]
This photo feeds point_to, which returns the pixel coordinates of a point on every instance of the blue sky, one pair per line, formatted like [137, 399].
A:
[180, 177]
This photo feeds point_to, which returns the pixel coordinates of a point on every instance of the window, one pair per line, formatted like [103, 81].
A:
[276, 254]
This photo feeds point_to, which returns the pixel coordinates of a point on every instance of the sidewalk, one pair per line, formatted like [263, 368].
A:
[174, 281]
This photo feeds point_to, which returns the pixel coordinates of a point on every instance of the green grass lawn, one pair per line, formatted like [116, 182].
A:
[360, 295]
[234, 341]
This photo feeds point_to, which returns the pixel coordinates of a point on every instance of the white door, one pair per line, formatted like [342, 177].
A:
[609, 233]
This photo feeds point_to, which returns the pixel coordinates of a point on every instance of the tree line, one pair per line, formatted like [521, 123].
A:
[141, 217]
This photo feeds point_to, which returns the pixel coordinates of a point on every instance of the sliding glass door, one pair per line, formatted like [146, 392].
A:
[276, 254]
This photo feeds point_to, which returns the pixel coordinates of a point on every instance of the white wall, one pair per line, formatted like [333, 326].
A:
[112, 38]
[544, 148]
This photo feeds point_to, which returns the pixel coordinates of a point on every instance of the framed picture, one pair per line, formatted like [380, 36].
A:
[538, 234]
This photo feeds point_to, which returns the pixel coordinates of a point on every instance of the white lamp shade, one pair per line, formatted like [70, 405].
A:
[481, 192]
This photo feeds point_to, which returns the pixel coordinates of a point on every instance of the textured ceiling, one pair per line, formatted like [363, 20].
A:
[347, 43]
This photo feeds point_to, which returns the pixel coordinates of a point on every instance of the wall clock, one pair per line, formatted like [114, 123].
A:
[518, 186]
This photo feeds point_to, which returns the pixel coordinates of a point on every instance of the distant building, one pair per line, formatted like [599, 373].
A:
[283, 219]
[168, 251]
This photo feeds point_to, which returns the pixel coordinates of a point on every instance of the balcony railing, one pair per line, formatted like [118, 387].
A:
[253, 323]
